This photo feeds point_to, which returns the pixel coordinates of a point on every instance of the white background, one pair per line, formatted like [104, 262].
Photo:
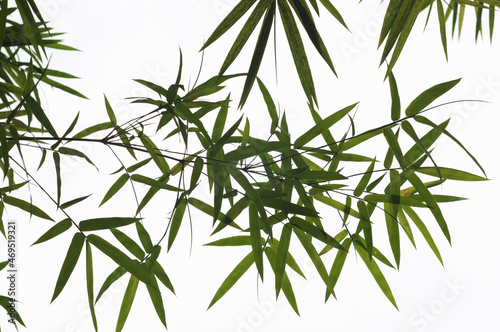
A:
[123, 40]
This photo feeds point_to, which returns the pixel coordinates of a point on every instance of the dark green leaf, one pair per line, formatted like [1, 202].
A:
[128, 299]
[28, 207]
[69, 263]
[54, 231]
[119, 183]
[105, 223]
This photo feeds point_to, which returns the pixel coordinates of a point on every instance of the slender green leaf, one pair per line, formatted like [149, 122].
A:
[114, 276]
[54, 231]
[176, 221]
[256, 239]
[105, 223]
[119, 183]
[69, 263]
[90, 283]
[319, 128]
[233, 277]
[121, 259]
[128, 299]
[28, 207]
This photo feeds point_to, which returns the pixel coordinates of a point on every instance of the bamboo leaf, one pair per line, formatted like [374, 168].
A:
[39, 113]
[69, 263]
[360, 188]
[322, 126]
[233, 277]
[176, 221]
[281, 257]
[376, 273]
[256, 239]
[450, 174]
[109, 110]
[297, 50]
[105, 223]
[157, 301]
[76, 153]
[337, 265]
[128, 243]
[258, 54]
[54, 231]
[93, 129]
[429, 199]
[28, 207]
[119, 183]
[144, 236]
[72, 202]
[121, 259]
[428, 96]
[114, 276]
[128, 299]
[396, 103]
[90, 283]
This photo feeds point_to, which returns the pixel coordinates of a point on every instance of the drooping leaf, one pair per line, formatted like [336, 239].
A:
[90, 283]
[281, 257]
[110, 280]
[121, 259]
[255, 237]
[176, 221]
[428, 96]
[69, 263]
[28, 207]
[128, 299]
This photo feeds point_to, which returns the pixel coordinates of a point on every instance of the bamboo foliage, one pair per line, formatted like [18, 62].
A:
[264, 193]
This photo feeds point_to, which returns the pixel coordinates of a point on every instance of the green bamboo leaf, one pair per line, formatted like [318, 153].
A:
[251, 193]
[68, 131]
[72, 202]
[154, 152]
[176, 221]
[337, 265]
[234, 241]
[90, 283]
[360, 188]
[258, 54]
[271, 107]
[162, 276]
[393, 199]
[128, 299]
[286, 284]
[335, 13]
[119, 183]
[114, 276]
[410, 19]
[376, 273]
[305, 17]
[423, 229]
[57, 164]
[121, 259]
[105, 223]
[54, 231]
[315, 232]
[337, 205]
[76, 153]
[281, 257]
[204, 207]
[289, 208]
[450, 173]
[366, 224]
[61, 86]
[297, 50]
[428, 122]
[256, 239]
[197, 169]
[109, 110]
[412, 155]
[245, 33]
[156, 88]
[233, 277]
[128, 243]
[157, 301]
[251, 150]
[33, 107]
[315, 258]
[144, 236]
[28, 207]
[407, 127]
[94, 129]
[234, 16]
[429, 199]
[396, 103]
[442, 27]
[220, 122]
[392, 140]
[428, 96]
[322, 126]
[69, 263]
[153, 183]
[390, 16]
[3, 20]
